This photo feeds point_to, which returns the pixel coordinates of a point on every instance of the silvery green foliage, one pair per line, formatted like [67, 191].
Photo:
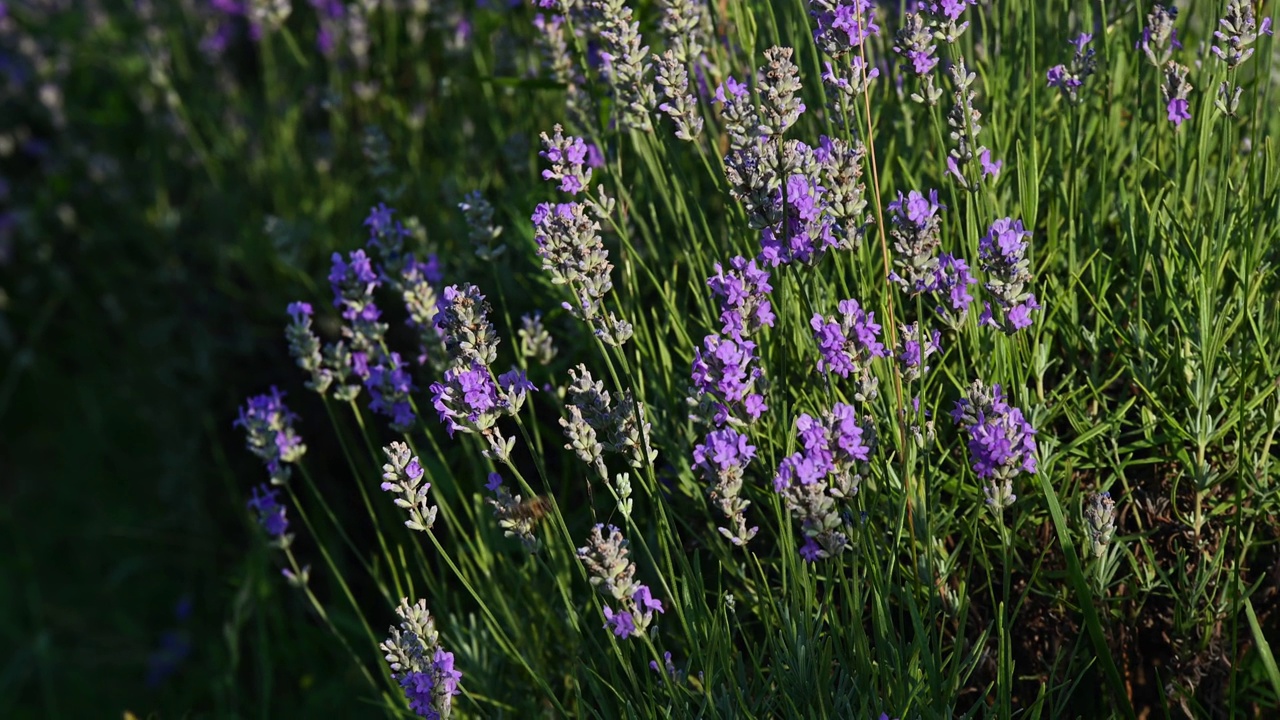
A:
[1100, 519]
[468, 335]
[404, 475]
[535, 342]
[780, 105]
[625, 66]
[481, 231]
[680, 104]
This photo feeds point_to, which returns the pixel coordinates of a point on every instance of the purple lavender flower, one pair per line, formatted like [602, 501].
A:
[573, 252]
[1159, 37]
[613, 574]
[726, 371]
[824, 475]
[915, 226]
[1176, 88]
[389, 386]
[848, 345]
[722, 460]
[304, 347]
[915, 43]
[270, 512]
[568, 156]
[463, 322]
[913, 347]
[842, 25]
[1001, 441]
[423, 669]
[469, 400]
[353, 284]
[1083, 64]
[743, 291]
[624, 63]
[403, 475]
[950, 284]
[513, 513]
[1002, 255]
[269, 433]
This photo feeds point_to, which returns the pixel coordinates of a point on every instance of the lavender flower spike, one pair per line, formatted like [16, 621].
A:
[1159, 37]
[613, 575]
[568, 158]
[403, 475]
[915, 227]
[269, 433]
[722, 459]
[848, 345]
[422, 668]
[1002, 254]
[624, 66]
[304, 347]
[1002, 442]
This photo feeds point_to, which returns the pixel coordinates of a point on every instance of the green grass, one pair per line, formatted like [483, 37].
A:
[183, 201]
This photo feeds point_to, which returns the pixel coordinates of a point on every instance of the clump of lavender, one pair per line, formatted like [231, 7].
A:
[1002, 253]
[516, 517]
[419, 664]
[743, 294]
[840, 166]
[613, 575]
[963, 119]
[568, 158]
[624, 63]
[914, 346]
[1159, 37]
[950, 285]
[848, 344]
[817, 482]
[594, 416]
[404, 475]
[535, 342]
[725, 372]
[481, 231]
[1176, 89]
[915, 43]
[1069, 79]
[304, 347]
[914, 228]
[722, 459]
[1100, 517]
[1002, 442]
[571, 249]
[269, 433]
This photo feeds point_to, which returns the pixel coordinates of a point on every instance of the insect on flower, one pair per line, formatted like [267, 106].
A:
[532, 510]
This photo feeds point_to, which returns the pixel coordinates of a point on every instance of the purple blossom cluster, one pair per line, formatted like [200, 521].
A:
[1159, 36]
[572, 251]
[950, 285]
[304, 347]
[568, 158]
[270, 513]
[1176, 90]
[914, 229]
[403, 475]
[817, 482]
[743, 293]
[1069, 79]
[722, 461]
[468, 399]
[613, 575]
[848, 344]
[725, 370]
[914, 346]
[390, 385]
[423, 669]
[1002, 253]
[1002, 442]
[842, 25]
[269, 433]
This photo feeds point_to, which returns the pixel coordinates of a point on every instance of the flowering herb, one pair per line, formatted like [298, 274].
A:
[1002, 442]
[1159, 36]
[915, 227]
[721, 460]
[613, 575]
[1002, 253]
[1083, 64]
[725, 371]
[419, 664]
[848, 344]
[403, 475]
[269, 433]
